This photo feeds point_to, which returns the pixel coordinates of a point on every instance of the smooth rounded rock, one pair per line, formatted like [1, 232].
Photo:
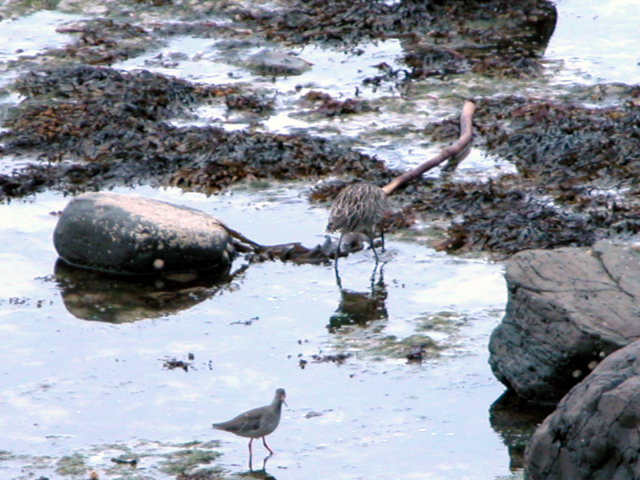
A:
[135, 235]
[275, 63]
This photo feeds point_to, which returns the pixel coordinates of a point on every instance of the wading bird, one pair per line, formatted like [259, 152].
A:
[358, 208]
[258, 422]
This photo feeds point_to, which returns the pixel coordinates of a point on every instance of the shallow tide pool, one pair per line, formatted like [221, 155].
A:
[70, 384]
[83, 376]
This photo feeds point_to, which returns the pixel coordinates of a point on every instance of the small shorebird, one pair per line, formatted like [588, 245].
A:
[358, 208]
[258, 422]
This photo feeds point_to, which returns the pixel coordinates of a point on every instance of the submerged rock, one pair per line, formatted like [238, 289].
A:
[593, 434]
[134, 235]
[274, 63]
[567, 310]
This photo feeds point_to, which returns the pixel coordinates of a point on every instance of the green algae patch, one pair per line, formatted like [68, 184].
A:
[444, 322]
[391, 346]
[432, 334]
[71, 465]
[186, 461]
[371, 343]
[141, 460]
[211, 444]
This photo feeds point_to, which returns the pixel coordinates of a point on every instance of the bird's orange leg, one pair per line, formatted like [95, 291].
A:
[264, 441]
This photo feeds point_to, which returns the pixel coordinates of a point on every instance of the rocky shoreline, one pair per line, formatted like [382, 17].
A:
[569, 337]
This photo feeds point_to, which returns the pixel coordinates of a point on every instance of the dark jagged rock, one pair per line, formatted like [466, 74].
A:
[593, 434]
[567, 310]
[133, 235]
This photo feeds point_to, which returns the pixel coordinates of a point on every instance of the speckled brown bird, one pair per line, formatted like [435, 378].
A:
[358, 208]
[258, 422]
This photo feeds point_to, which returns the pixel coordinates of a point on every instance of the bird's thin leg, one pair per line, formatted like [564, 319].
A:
[382, 236]
[264, 441]
[250, 449]
[373, 248]
[335, 264]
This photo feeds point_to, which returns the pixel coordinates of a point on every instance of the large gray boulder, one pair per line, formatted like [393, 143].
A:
[567, 310]
[135, 235]
[594, 432]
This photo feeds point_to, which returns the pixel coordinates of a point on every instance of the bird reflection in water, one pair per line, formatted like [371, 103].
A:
[360, 308]
[261, 473]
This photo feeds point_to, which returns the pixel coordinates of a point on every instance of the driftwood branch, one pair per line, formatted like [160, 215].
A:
[466, 134]
[320, 254]
[242, 243]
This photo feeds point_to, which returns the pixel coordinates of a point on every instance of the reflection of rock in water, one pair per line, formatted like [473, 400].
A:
[360, 308]
[515, 420]
[543, 27]
[91, 295]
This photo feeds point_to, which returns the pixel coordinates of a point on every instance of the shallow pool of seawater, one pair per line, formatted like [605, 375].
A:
[596, 41]
[70, 385]
[28, 36]
[96, 388]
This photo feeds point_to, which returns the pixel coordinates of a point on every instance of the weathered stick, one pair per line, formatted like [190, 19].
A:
[466, 134]
[244, 244]
[297, 253]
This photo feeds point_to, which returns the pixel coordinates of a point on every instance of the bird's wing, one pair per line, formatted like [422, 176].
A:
[244, 423]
